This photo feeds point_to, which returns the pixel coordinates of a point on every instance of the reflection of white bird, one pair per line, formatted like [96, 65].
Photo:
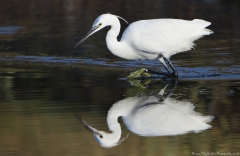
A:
[151, 39]
[150, 116]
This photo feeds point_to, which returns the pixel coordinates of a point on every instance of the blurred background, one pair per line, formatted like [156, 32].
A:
[53, 27]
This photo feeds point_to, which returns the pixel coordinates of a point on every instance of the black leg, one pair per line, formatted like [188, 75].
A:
[175, 82]
[168, 74]
[164, 63]
[172, 67]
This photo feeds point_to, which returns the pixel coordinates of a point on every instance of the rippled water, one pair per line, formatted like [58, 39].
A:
[44, 82]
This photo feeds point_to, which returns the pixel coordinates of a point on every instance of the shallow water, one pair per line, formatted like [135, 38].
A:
[44, 82]
[37, 114]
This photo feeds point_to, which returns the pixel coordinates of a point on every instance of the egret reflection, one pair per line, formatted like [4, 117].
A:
[150, 115]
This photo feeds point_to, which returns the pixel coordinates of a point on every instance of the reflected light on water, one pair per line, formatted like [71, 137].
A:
[10, 29]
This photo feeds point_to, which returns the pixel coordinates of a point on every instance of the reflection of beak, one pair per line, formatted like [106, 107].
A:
[89, 128]
[123, 139]
[87, 35]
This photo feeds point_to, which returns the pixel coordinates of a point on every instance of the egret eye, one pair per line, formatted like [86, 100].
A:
[100, 24]
[101, 136]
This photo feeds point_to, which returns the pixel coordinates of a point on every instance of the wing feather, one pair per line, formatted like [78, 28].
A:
[165, 36]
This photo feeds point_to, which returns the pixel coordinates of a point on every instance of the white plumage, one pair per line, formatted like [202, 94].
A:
[150, 116]
[171, 117]
[164, 36]
[151, 39]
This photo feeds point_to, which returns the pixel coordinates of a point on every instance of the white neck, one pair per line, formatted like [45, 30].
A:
[113, 44]
[120, 108]
[113, 125]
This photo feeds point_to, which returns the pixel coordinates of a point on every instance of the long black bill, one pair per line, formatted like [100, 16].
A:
[89, 128]
[86, 36]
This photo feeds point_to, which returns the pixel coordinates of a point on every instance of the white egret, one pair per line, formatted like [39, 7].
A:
[150, 39]
[150, 116]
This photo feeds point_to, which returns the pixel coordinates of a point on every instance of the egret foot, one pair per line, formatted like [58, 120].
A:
[138, 83]
[139, 73]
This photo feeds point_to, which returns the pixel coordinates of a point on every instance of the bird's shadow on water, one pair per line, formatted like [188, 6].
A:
[150, 114]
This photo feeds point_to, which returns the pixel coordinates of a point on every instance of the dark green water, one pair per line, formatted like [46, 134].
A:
[44, 82]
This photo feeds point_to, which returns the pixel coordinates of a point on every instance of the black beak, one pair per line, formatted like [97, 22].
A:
[89, 128]
[87, 35]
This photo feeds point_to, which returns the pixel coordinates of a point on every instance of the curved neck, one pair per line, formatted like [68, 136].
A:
[112, 43]
[114, 31]
[120, 108]
[112, 121]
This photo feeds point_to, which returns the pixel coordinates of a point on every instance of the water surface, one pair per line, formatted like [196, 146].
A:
[37, 115]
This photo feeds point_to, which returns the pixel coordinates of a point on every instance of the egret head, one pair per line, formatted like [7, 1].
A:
[101, 22]
[106, 140]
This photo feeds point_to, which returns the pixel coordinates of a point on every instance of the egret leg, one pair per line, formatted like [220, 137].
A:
[145, 72]
[172, 67]
[161, 96]
[164, 63]
[162, 91]
[162, 59]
